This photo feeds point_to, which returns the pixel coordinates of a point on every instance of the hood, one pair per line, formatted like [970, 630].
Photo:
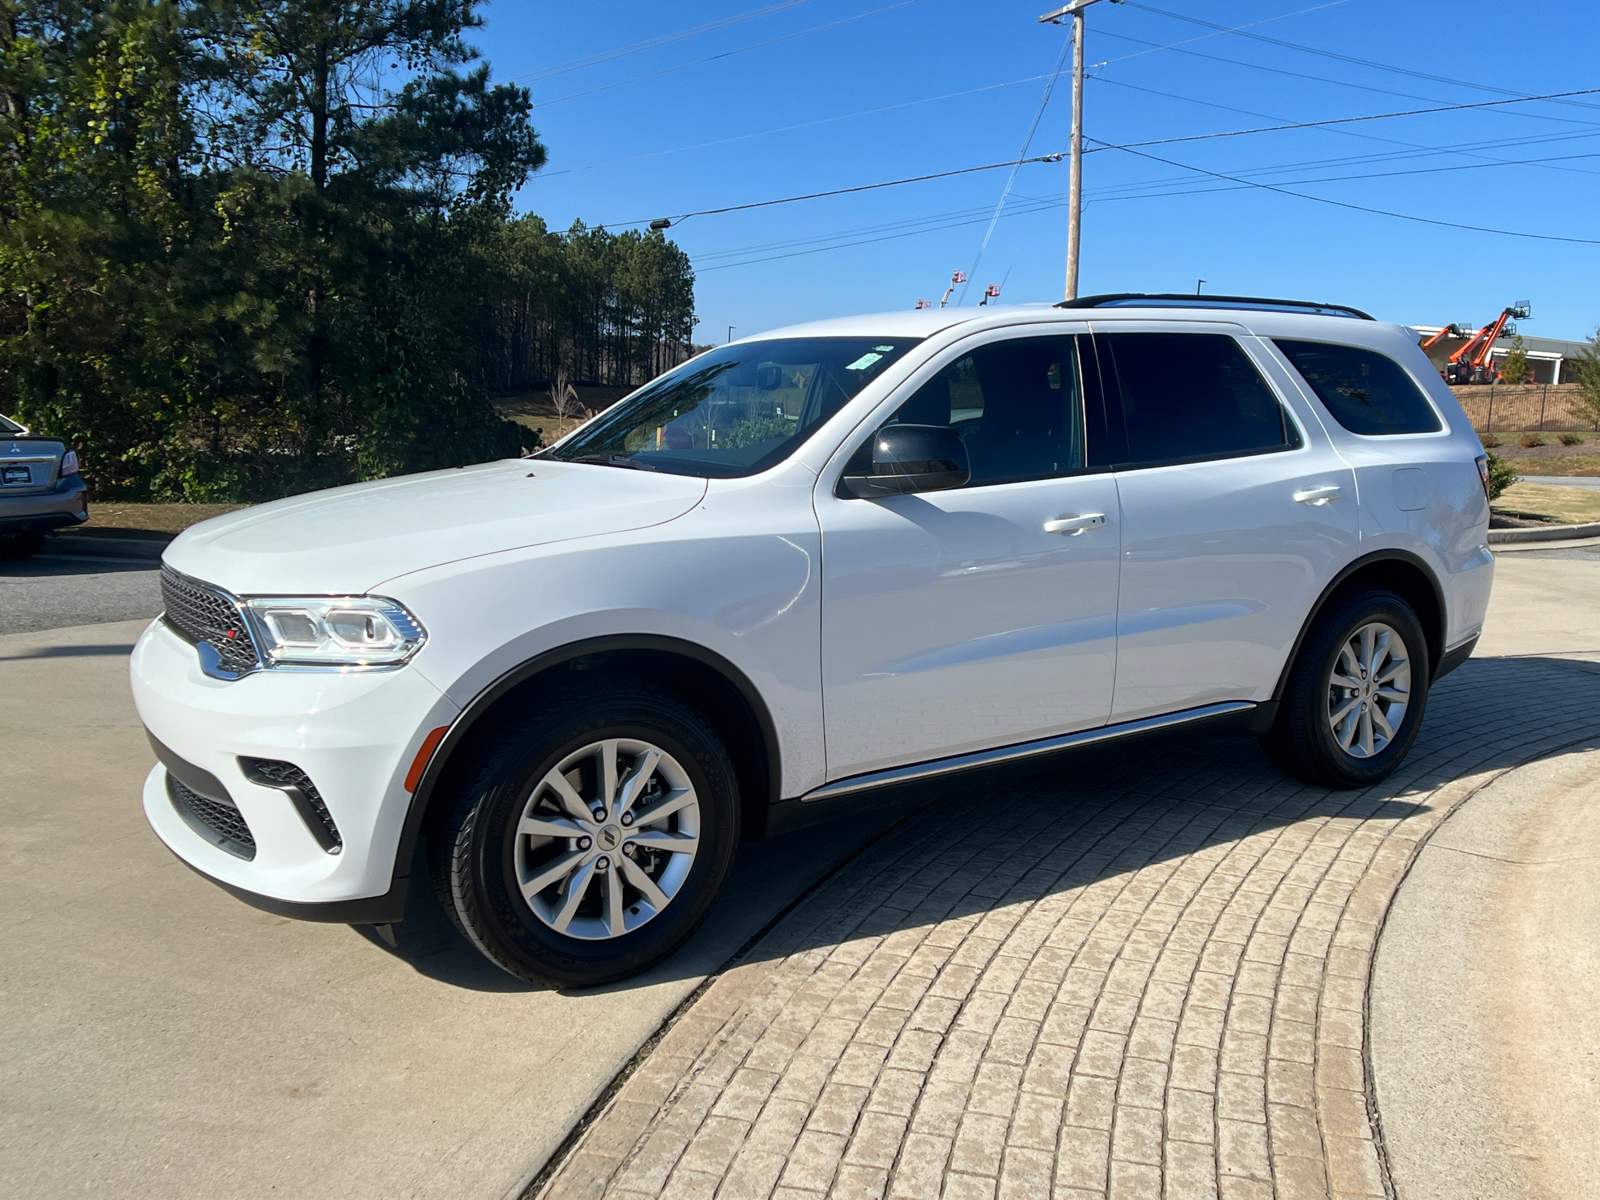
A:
[348, 540]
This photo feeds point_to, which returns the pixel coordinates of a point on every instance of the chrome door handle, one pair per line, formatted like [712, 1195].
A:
[1073, 524]
[1318, 495]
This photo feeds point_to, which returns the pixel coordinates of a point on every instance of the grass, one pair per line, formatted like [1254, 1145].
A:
[115, 519]
[1566, 506]
[1562, 464]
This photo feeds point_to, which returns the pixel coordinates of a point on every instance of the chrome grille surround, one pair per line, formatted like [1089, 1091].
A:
[218, 821]
[209, 617]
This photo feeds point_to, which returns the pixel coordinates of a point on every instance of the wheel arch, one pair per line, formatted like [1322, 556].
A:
[700, 677]
[1403, 573]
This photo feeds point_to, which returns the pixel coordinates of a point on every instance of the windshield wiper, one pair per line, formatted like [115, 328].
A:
[611, 460]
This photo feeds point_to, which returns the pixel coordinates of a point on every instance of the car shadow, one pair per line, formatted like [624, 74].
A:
[44, 566]
[123, 648]
[1124, 810]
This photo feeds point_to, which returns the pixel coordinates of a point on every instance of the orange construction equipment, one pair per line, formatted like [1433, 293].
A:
[1447, 331]
[1474, 362]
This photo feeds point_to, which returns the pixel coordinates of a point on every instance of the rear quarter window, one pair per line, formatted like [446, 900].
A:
[1367, 392]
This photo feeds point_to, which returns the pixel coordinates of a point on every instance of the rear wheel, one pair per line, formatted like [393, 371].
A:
[21, 545]
[1355, 695]
[589, 839]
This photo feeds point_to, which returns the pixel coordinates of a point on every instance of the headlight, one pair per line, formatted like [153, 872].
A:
[334, 631]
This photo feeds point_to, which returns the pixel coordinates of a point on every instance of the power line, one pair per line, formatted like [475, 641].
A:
[1464, 148]
[864, 187]
[1220, 30]
[1542, 237]
[958, 218]
[666, 222]
[1413, 112]
[605, 56]
[1241, 31]
[725, 54]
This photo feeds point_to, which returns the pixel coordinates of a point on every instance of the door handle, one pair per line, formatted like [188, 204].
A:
[1318, 495]
[1073, 524]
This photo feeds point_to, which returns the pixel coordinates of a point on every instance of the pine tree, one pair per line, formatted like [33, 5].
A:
[1514, 366]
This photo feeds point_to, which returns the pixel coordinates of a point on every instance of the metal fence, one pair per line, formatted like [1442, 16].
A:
[1515, 408]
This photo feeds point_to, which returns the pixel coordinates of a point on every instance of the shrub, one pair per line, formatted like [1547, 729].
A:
[1530, 440]
[1490, 441]
[1572, 439]
[1501, 476]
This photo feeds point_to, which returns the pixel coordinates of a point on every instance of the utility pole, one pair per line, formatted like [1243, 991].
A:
[1075, 177]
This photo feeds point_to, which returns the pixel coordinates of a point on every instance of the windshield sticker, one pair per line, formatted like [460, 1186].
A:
[885, 349]
[862, 363]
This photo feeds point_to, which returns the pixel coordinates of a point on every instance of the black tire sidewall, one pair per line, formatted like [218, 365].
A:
[1322, 650]
[502, 917]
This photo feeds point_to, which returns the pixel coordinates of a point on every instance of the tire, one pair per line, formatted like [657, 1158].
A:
[1304, 741]
[20, 545]
[512, 824]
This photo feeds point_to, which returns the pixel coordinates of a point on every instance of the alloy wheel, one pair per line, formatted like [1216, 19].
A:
[1369, 689]
[606, 838]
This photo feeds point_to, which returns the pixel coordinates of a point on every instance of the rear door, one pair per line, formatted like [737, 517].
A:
[1236, 512]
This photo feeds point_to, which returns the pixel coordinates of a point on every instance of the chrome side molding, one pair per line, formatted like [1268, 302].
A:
[1022, 750]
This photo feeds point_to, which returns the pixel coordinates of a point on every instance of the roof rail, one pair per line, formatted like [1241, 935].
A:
[1177, 300]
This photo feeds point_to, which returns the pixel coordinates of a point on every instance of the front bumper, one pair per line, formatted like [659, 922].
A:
[354, 734]
[39, 512]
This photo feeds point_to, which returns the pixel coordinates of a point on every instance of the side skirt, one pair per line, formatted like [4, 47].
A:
[925, 780]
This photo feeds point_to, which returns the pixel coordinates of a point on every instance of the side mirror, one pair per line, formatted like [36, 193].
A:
[910, 458]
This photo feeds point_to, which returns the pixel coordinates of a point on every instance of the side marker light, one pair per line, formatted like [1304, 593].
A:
[424, 753]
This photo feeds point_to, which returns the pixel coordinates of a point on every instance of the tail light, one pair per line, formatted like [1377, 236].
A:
[1483, 473]
[69, 463]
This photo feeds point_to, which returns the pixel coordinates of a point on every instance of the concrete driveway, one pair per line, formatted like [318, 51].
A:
[160, 1039]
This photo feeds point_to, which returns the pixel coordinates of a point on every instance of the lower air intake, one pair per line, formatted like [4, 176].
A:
[218, 821]
[296, 784]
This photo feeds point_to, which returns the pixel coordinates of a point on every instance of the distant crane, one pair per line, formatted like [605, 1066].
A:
[992, 292]
[1474, 362]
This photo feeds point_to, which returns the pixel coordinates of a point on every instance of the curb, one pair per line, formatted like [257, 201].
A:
[1548, 533]
[138, 549]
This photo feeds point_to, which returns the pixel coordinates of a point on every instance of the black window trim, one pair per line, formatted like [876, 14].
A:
[1114, 416]
[1310, 392]
[909, 387]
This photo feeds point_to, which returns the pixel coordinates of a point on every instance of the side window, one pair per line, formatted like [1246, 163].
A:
[1366, 392]
[1190, 396]
[1016, 404]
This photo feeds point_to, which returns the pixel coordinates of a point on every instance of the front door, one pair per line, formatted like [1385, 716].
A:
[985, 615]
[1235, 515]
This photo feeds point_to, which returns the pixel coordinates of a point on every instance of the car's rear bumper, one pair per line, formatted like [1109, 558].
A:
[40, 512]
[355, 750]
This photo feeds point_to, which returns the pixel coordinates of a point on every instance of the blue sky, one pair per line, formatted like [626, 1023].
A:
[783, 98]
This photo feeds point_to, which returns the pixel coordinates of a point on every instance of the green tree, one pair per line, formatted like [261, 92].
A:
[237, 246]
[1588, 401]
[1514, 366]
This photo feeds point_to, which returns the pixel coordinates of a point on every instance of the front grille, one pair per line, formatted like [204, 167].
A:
[202, 613]
[218, 821]
[297, 785]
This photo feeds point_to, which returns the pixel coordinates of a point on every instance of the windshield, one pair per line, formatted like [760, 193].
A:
[8, 426]
[736, 410]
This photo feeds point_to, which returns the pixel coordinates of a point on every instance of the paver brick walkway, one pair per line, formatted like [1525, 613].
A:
[1143, 978]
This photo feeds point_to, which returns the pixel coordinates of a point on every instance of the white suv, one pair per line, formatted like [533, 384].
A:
[803, 573]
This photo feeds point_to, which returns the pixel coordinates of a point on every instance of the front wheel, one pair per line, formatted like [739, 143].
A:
[589, 838]
[1355, 695]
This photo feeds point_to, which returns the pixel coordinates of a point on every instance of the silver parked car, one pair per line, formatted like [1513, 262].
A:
[40, 489]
